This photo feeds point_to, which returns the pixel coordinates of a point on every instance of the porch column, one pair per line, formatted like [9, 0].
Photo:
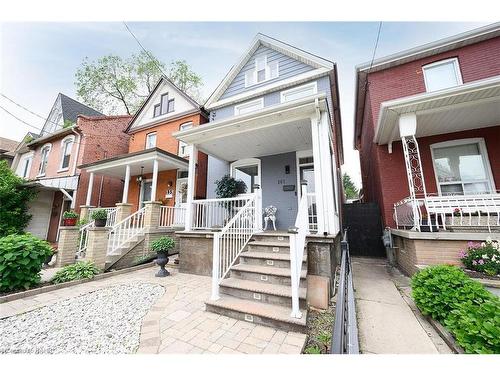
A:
[193, 155]
[155, 180]
[416, 183]
[89, 189]
[318, 171]
[126, 184]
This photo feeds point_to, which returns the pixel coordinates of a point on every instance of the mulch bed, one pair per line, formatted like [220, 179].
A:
[480, 275]
[320, 326]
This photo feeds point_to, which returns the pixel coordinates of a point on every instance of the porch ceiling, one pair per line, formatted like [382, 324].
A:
[470, 106]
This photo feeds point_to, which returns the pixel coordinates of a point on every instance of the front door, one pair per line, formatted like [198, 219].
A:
[145, 192]
[307, 174]
[181, 192]
[248, 171]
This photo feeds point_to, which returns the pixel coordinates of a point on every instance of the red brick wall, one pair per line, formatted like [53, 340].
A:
[383, 174]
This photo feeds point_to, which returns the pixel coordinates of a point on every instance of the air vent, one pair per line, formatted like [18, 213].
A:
[264, 278]
[276, 249]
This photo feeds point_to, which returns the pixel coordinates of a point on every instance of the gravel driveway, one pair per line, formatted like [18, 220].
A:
[106, 321]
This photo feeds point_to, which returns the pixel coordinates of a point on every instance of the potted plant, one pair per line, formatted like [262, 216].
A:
[162, 246]
[100, 216]
[70, 218]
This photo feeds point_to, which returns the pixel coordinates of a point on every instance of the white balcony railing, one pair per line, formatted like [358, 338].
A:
[172, 216]
[216, 213]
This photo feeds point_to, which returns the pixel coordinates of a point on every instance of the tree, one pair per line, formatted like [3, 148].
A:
[14, 199]
[113, 84]
[350, 190]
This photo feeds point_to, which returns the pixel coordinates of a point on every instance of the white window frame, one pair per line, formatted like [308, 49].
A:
[299, 89]
[147, 147]
[49, 146]
[185, 126]
[68, 139]
[460, 142]
[456, 65]
[25, 162]
[257, 103]
[245, 163]
[267, 69]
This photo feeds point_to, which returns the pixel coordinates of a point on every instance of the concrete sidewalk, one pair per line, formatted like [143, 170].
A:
[387, 325]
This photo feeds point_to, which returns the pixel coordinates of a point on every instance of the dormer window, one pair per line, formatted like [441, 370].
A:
[166, 105]
[263, 70]
[442, 75]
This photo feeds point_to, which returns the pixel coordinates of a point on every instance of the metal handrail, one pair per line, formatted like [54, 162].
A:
[345, 329]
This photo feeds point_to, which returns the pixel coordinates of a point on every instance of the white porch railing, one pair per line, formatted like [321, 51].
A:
[312, 212]
[479, 210]
[213, 213]
[297, 245]
[172, 216]
[110, 221]
[126, 230]
[231, 240]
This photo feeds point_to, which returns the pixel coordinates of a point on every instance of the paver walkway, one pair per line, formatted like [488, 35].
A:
[178, 322]
[386, 323]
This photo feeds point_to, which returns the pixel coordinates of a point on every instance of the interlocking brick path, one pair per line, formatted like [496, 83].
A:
[178, 322]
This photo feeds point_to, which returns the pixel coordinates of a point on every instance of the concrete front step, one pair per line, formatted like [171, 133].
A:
[261, 292]
[272, 236]
[269, 247]
[257, 312]
[266, 274]
[261, 258]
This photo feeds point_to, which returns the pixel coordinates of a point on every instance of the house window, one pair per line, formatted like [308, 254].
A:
[66, 146]
[442, 75]
[183, 150]
[151, 140]
[165, 106]
[248, 107]
[157, 111]
[299, 92]
[170, 105]
[263, 70]
[44, 158]
[26, 167]
[462, 167]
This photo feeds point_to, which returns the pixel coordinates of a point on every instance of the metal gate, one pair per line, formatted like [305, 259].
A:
[364, 223]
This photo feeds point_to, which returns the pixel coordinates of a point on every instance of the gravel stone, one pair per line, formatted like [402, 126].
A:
[106, 321]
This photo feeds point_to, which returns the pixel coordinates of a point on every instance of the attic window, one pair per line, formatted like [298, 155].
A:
[263, 70]
[165, 106]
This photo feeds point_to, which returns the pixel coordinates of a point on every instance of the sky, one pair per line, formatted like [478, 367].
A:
[39, 60]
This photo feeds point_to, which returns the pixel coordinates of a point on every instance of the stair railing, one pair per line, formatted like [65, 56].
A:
[230, 242]
[298, 235]
[83, 232]
[126, 230]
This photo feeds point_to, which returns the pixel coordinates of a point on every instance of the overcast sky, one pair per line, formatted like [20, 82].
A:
[39, 60]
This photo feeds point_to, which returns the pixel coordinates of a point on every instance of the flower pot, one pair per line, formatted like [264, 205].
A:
[100, 222]
[162, 261]
[70, 222]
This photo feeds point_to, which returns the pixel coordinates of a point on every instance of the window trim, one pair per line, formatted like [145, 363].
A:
[267, 70]
[27, 160]
[147, 140]
[67, 139]
[460, 142]
[154, 110]
[456, 65]
[300, 88]
[181, 142]
[249, 103]
[49, 146]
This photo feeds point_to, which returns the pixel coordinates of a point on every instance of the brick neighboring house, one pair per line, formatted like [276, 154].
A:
[427, 126]
[73, 134]
[7, 149]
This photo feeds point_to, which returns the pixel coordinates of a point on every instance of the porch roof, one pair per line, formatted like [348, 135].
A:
[272, 130]
[469, 106]
[55, 183]
[115, 166]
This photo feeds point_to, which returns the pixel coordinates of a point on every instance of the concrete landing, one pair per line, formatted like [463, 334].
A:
[386, 323]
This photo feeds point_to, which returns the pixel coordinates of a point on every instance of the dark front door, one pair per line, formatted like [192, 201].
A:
[364, 228]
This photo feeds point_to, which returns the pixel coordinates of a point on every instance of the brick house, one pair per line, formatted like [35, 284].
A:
[427, 126]
[73, 134]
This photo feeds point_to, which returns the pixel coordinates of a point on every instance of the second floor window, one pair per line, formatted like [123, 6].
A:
[44, 158]
[167, 105]
[263, 70]
[67, 145]
[151, 140]
[26, 167]
[442, 75]
[183, 150]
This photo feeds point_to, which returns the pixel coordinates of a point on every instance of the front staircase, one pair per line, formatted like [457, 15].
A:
[258, 286]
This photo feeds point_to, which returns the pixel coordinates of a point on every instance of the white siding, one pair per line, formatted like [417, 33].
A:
[40, 209]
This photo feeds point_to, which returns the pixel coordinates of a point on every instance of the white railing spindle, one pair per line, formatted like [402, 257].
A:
[126, 230]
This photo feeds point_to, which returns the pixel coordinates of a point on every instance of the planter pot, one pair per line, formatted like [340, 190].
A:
[162, 261]
[70, 222]
[100, 222]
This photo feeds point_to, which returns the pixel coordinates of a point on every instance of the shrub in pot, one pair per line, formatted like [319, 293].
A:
[162, 246]
[100, 216]
[70, 218]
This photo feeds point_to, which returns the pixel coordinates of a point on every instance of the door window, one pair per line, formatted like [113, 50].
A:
[146, 192]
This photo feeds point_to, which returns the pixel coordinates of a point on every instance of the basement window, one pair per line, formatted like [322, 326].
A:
[442, 75]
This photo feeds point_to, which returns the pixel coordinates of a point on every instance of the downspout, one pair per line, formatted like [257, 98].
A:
[102, 183]
[75, 162]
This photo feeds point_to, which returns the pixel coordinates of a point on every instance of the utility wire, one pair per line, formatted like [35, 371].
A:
[376, 44]
[155, 61]
[19, 119]
[21, 106]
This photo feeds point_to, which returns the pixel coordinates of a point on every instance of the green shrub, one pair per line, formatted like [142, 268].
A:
[477, 327]
[163, 244]
[437, 290]
[76, 271]
[482, 257]
[21, 260]
[99, 214]
[70, 215]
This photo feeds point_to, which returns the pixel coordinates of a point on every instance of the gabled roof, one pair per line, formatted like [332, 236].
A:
[163, 79]
[7, 145]
[71, 108]
[267, 41]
